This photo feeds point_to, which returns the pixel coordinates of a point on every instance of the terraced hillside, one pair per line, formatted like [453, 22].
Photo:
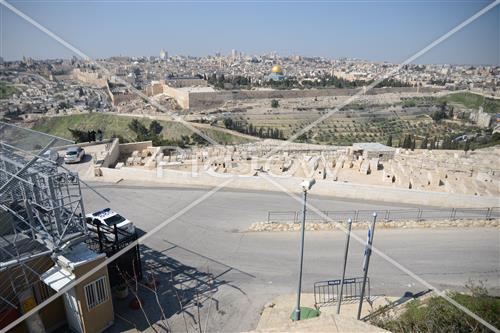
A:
[368, 122]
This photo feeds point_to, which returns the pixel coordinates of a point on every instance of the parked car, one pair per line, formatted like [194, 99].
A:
[106, 219]
[51, 155]
[74, 155]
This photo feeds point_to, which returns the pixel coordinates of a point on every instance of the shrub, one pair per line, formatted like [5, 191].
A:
[436, 314]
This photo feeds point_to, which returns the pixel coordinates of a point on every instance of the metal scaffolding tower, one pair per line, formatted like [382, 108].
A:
[41, 208]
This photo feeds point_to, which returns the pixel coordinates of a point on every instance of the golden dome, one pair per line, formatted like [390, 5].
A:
[277, 69]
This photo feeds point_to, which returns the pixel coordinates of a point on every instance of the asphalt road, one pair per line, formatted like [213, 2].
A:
[252, 268]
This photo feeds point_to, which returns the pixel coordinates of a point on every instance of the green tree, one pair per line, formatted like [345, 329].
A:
[197, 139]
[78, 135]
[438, 115]
[155, 127]
[302, 138]
[447, 144]
[389, 140]
[424, 143]
[275, 103]
[433, 144]
[139, 129]
[228, 123]
[467, 145]
[407, 141]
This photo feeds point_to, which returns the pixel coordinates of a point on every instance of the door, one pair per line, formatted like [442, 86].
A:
[73, 314]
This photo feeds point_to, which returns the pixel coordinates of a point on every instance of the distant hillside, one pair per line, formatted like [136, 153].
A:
[473, 101]
[114, 125]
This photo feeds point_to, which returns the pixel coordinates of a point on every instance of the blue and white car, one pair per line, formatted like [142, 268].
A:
[108, 219]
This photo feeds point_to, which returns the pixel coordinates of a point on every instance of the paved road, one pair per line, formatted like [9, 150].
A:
[252, 268]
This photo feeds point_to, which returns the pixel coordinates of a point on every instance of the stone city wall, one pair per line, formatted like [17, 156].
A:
[218, 98]
[117, 99]
[182, 97]
[92, 78]
[207, 99]
[155, 88]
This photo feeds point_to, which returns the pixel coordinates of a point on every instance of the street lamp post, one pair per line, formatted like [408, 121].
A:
[306, 186]
[348, 237]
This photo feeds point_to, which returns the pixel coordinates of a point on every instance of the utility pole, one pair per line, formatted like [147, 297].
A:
[348, 237]
[368, 252]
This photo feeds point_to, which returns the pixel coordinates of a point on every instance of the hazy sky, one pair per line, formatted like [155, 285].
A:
[373, 30]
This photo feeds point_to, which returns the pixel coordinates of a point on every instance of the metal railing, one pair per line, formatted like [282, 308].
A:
[416, 214]
[327, 292]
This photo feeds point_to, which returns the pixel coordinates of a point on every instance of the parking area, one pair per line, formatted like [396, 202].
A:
[83, 167]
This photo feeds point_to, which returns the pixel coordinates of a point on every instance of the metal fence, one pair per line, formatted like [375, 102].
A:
[326, 292]
[387, 215]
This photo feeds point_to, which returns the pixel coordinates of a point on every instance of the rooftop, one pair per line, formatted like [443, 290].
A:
[79, 254]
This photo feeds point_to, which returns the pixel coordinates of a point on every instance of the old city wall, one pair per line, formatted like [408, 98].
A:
[92, 78]
[181, 96]
[218, 98]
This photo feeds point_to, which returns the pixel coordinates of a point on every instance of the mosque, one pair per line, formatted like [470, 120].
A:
[276, 74]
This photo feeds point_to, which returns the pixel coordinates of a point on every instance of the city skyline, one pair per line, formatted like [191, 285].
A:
[379, 31]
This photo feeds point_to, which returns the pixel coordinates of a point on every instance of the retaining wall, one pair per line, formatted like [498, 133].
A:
[112, 154]
[326, 187]
[129, 148]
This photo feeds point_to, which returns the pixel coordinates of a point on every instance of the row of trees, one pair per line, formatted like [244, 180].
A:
[86, 136]
[332, 81]
[324, 81]
[409, 141]
[153, 133]
[219, 81]
[248, 128]
[392, 83]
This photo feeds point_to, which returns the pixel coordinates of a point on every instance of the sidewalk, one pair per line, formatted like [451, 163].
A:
[276, 316]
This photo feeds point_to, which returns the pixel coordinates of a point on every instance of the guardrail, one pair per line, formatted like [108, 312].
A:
[327, 292]
[416, 214]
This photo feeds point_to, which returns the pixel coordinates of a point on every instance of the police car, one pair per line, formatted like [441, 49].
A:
[107, 219]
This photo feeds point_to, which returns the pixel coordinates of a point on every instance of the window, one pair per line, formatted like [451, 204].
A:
[115, 219]
[96, 293]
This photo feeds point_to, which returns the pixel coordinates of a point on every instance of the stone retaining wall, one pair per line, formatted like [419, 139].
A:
[410, 224]
[322, 187]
